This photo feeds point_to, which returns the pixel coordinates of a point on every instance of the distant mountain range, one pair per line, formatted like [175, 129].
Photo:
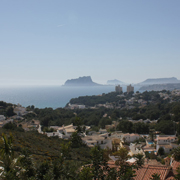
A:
[114, 82]
[81, 81]
[160, 81]
[87, 81]
[160, 87]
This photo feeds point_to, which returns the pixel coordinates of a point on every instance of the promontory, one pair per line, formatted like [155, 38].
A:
[81, 81]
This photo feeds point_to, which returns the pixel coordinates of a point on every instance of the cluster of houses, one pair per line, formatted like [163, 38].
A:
[109, 140]
[129, 103]
[63, 132]
[18, 118]
[116, 140]
[170, 95]
[4, 121]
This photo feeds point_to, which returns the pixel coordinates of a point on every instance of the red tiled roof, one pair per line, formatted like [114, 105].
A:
[147, 171]
[170, 178]
[175, 165]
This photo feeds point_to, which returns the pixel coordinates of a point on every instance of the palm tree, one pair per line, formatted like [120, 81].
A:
[6, 152]
[9, 168]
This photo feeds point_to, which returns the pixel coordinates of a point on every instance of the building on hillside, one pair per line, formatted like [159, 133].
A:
[129, 138]
[101, 140]
[102, 131]
[2, 118]
[136, 149]
[76, 106]
[147, 171]
[2, 123]
[19, 110]
[118, 89]
[66, 131]
[130, 89]
[166, 142]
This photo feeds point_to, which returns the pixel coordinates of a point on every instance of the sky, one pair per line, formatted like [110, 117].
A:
[44, 42]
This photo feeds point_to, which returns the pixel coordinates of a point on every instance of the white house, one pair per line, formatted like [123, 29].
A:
[66, 131]
[167, 148]
[95, 140]
[165, 140]
[19, 110]
[130, 137]
[2, 123]
[2, 117]
[135, 149]
[76, 106]
[51, 134]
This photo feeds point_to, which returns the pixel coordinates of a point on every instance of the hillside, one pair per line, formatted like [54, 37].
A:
[93, 100]
[160, 81]
[160, 87]
[42, 147]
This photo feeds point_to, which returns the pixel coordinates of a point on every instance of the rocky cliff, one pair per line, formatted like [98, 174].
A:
[81, 81]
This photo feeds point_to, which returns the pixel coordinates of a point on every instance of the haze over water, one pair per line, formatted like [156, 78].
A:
[49, 96]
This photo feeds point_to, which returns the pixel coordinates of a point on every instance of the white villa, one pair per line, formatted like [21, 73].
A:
[102, 140]
[19, 110]
[2, 117]
[166, 142]
[63, 132]
[130, 137]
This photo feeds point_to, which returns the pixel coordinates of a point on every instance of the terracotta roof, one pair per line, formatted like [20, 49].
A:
[153, 162]
[165, 138]
[175, 165]
[170, 178]
[147, 171]
[166, 146]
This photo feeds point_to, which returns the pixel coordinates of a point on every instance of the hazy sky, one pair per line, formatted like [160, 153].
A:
[48, 42]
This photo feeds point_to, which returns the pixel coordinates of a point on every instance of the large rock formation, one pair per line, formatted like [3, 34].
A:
[81, 81]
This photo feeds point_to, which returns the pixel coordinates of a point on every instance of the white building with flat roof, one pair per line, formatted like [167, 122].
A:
[2, 117]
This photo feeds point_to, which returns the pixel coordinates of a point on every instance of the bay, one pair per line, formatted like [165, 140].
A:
[49, 96]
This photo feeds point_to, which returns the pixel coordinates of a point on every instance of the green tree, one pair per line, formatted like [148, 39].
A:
[27, 166]
[8, 162]
[7, 153]
[10, 111]
[86, 173]
[139, 160]
[155, 176]
[125, 126]
[125, 171]
[161, 151]
[176, 154]
[177, 175]
[78, 122]
[76, 140]
[99, 163]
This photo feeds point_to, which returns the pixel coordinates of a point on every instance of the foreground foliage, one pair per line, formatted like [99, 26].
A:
[21, 165]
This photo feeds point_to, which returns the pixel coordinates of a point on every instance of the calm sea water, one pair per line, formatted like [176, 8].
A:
[49, 96]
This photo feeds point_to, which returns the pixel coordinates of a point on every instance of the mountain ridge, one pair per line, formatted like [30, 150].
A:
[114, 82]
[160, 81]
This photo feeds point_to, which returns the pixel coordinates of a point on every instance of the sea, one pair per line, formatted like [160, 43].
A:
[50, 96]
